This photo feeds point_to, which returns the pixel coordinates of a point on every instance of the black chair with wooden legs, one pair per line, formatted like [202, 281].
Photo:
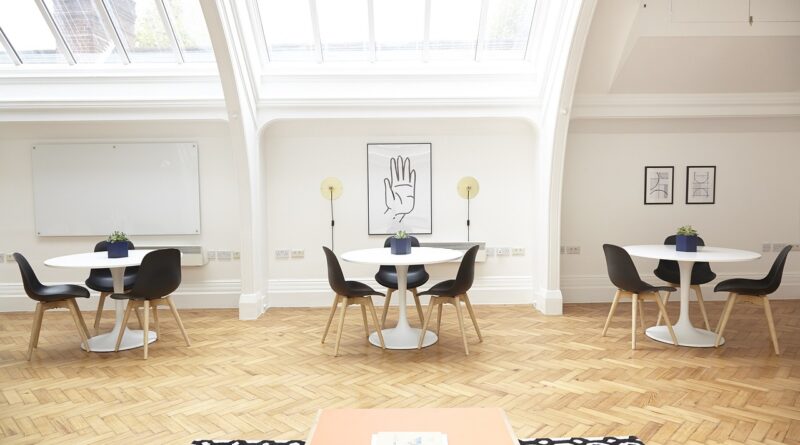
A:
[668, 271]
[349, 293]
[454, 292]
[625, 277]
[51, 297]
[159, 275]
[100, 280]
[387, 277]
[754, 292]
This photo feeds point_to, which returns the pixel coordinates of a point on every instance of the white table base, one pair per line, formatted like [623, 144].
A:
[403, 338]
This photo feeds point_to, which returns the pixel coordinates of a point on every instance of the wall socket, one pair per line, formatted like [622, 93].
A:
[570, 250]
[298, 253]
[9, 257]
[283, 254]
[766, 247]
[491, 251]
[518, 251]
[503, 251]
[224, 255]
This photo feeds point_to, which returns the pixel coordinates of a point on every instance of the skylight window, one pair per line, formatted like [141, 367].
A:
[394, 30]
[103, 31]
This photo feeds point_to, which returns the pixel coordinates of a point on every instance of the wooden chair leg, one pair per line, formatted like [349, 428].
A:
[724, 320]
[177, 318]
[416, 302]
[364, 317]
[460, 316]
[439, 311]
[72, 306]
[472, 316]
[125, 318]
[330, 317]
[386, 302]
[614, 303]
[699, 294]
[39, 328]
[99, 312]
[662, 311]
[771, 324]
[341, 327]
[37, 325]
[146, 326]
[666, 300]
[375, 320]
[634, 305]
[427, 320]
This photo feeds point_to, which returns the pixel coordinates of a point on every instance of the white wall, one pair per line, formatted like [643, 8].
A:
[213, 285]
[757, 200]
[298, 154]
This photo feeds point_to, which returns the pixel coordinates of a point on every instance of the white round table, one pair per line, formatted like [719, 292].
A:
[685, 332]
[402, 336]
[100, 260]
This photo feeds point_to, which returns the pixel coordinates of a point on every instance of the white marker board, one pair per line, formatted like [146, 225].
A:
[138, 188]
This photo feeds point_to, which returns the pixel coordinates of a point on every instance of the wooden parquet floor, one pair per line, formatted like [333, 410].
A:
[554, 376]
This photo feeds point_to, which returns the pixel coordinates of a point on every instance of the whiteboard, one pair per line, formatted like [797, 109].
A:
[94, 189]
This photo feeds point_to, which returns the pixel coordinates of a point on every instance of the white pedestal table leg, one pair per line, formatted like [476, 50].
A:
[402, 336]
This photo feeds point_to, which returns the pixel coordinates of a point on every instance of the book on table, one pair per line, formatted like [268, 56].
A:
[409, 438]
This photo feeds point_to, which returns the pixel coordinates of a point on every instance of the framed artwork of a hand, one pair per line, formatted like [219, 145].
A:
[399, 188]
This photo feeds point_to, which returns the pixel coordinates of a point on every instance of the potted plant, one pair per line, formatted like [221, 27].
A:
[400, 243]
[117, 244]
[686, 239]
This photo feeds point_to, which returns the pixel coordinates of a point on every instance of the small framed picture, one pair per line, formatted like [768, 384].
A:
[701, 184]
[659, 184]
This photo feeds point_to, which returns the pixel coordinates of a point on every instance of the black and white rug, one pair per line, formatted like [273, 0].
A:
[617, 440]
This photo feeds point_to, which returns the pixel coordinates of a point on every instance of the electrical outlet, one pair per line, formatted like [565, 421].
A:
[573, 250]
[503, 251]
[518, 251]
[777, 247]
[282, 254]
[224, 255]
[491, 251]
[298, 253]
[563, 250]
[237, 255]
[10, 258]
[795, 247]
[766, 247]
[212, 255]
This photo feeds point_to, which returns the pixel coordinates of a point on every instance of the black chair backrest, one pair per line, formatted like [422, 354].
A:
[701, 269]
[102, 246]
[773, 279]
[159, 275]
[621, 269]
[335, 274]
[414, 243]
[466, 272]
[32, 284]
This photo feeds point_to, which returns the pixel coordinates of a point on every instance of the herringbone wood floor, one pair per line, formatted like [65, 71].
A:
[554, 376]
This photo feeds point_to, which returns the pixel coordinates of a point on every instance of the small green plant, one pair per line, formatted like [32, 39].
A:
[117, 237]
[401, 234]
[687, 231]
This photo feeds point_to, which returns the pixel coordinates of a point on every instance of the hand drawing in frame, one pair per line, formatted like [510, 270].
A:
[399, 188]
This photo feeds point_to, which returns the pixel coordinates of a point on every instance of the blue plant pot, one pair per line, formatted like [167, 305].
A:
[400, 246]
[685, 243]
[118, 250]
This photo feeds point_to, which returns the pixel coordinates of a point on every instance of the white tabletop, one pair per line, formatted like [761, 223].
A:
[704, 253]
[98, 260]
[418, 255]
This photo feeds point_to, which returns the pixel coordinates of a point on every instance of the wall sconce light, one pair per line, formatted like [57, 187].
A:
[468, 189]
[330, 189]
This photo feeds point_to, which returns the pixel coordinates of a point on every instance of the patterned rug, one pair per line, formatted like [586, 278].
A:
[618, 440]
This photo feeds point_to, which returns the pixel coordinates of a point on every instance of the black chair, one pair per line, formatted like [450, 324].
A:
[349, 293]
[668, 271]
[159, 276]
[754, 292]
[454, 292]
[51, 297]
[625, 277]
[100, 280]
[387, 277]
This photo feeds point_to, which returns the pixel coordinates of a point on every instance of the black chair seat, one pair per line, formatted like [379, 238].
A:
[443, 289]
[101, 283]
[743, 286]
[359, 289]
[417, 276]
[61, 291]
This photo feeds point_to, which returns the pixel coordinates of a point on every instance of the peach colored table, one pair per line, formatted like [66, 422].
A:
[463, 426]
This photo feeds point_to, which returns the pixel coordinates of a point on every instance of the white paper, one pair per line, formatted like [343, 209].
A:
[409, 438]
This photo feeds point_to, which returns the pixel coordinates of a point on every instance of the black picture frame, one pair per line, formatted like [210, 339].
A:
[656, 193]
[421, 222]
[699, 192]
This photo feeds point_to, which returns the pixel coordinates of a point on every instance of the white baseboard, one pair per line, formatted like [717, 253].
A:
[598, 288]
